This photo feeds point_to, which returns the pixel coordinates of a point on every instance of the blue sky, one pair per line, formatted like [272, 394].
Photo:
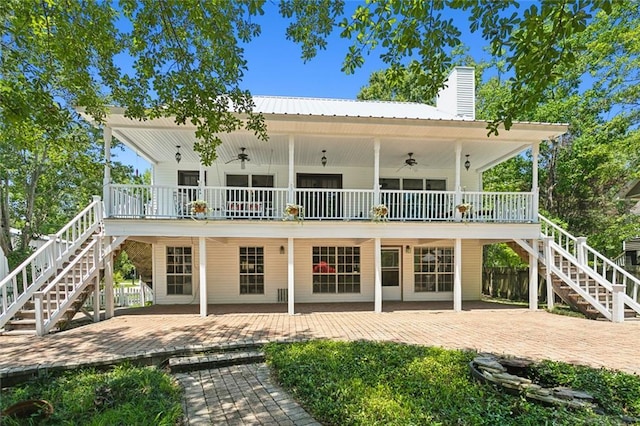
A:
[275, 67]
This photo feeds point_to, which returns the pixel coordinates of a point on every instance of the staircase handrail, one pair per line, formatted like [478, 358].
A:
[601, 265]
[563, 238]
[604, 310]
[44, 323]
[21, 283]
[593, 263]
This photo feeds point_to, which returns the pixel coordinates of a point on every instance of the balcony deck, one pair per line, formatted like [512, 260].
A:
[174, 202]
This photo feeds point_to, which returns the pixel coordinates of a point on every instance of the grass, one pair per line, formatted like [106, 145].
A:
[364, 383]
[124, 395]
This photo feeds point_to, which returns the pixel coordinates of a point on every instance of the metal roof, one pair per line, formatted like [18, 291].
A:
[348, 108]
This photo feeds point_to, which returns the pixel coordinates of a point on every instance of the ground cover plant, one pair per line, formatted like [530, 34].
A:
[368, 383]
[124, 395]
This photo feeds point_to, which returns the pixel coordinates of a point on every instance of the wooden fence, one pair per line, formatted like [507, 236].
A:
[511, 284]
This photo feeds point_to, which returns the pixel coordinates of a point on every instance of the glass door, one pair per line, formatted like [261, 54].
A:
[391, 275]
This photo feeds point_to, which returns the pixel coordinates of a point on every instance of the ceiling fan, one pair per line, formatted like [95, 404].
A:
[409, 162]
[242, 157]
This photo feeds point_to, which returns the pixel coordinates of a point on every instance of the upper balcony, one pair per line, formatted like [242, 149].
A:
[227, 203]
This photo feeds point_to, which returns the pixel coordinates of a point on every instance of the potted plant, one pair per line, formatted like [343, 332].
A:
[379, 213]
[294, 212]
[198, 207]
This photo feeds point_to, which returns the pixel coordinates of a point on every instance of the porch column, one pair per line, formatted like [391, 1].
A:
[107, 135]
[202, 251]
[535, 152]
[458, 195]
[547, 268]
[108, 287]
[533, 276]
[292, 198]
[457, 276]
[376, 171]
[290, 278]
[377, 280]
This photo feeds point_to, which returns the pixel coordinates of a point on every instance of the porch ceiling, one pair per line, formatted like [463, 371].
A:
[348, 141]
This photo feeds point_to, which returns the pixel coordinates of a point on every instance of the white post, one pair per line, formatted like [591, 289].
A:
[291, 170]
[618, 303]
[535, 152]
[290, 278]
[377, 280]
[143, 302]
[202, 251]
[97, 256]
[38, 304]
[376, 171]
[533, 277]
[106, 190]
[108, 287]
[548, 262]
[581, 251]
[458, 195]
[457, 276]
[96, 298]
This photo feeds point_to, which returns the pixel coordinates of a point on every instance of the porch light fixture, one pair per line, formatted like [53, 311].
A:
[178, 155]
[407, 249]
[281, 249]
[467, 163]
[323, 160]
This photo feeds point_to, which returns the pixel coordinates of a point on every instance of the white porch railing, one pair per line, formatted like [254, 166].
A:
[598, 279]
[153, 201]
[20, 285]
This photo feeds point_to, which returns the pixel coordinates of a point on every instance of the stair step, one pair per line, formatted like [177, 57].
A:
[190, 363]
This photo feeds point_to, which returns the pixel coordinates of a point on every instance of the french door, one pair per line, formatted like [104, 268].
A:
[324, 204]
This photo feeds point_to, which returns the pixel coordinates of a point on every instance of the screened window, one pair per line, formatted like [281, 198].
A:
[251, 270]
[336, 269]
[433, 269]
[179, 270]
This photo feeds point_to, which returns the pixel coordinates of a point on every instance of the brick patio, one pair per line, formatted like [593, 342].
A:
[488, 327]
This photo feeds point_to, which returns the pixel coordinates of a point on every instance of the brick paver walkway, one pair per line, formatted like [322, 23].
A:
[244, 395]
[239, 395]
[520, 332]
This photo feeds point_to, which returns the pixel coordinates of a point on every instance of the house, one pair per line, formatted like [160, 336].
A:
[348, 201]
[336, 159]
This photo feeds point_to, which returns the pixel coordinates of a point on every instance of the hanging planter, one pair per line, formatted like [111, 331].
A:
[379, 213]
[294, 212]
[198, 207]
[464, 208]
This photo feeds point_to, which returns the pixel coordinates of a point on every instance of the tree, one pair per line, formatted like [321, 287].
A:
[187, 57]
[535, 42]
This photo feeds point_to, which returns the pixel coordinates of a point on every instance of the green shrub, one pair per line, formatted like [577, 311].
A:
[124, 395]
[367, 383]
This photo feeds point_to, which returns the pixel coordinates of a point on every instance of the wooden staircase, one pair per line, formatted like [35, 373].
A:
[64, 285]
[50, 288]
[583, 278]
[567, 293]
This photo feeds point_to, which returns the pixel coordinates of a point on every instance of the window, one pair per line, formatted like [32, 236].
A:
[179, 270]
[251, 270]
[336, 270]
[433, 269]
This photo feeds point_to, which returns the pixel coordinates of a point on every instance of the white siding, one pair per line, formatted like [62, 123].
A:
[223, 284]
